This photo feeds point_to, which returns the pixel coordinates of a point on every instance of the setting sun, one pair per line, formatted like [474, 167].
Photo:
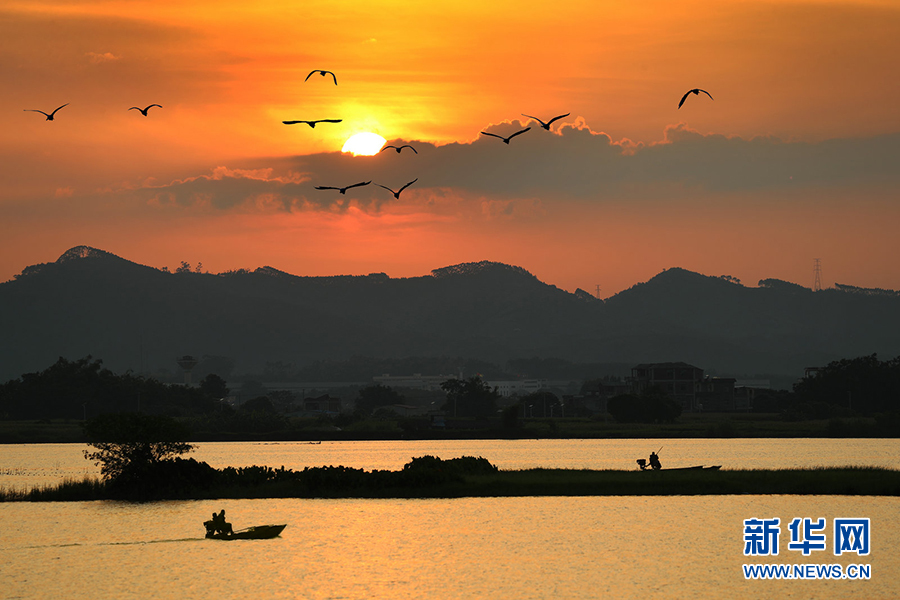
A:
[365, 144]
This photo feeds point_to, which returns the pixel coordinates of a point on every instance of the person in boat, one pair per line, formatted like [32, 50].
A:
[211, 524]
[218, 524]
[654, 461]
[224, 526]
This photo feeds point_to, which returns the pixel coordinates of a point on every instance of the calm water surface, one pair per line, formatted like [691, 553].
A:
[500, 548]
[468, 548]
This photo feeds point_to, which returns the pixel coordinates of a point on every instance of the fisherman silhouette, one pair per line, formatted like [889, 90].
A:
[654, 461]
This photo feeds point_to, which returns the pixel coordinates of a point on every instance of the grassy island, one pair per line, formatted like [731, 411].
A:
[431, 477]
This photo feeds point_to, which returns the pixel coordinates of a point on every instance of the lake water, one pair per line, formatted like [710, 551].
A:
[467, 548]
[28, 465]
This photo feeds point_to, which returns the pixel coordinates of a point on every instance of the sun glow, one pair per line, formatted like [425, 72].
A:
[365, 144]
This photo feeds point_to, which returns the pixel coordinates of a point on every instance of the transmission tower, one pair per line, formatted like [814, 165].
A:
[598, 291]
[817, 286]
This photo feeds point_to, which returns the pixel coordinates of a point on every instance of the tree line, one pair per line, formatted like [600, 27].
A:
[859, 387]
[83, 388]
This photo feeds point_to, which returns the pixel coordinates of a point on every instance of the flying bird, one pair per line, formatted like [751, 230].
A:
[144, 110]
[322, 73]
[696, 92]
[397, 193]
[50, 116]
[313, 123]
[506, 139]
[548, 123]
[398, 149]
[343, 190]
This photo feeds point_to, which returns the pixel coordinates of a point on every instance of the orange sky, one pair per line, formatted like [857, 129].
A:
[796, 158]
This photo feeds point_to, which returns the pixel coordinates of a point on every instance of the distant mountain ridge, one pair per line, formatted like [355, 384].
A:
[137, 317]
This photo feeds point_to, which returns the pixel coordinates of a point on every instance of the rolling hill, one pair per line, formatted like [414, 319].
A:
[91, 302]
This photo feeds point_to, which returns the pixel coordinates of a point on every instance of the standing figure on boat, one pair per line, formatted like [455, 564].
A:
[654, 461]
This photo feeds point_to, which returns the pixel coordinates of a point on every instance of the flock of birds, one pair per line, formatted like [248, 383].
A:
[313, 123]
[51, 115]
[546, 125]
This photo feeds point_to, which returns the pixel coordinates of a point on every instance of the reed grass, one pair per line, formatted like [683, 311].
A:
[70, 489]
[842, 481]
[863, 481]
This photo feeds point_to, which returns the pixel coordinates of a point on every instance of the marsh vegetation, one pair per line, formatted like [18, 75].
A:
[431, 477]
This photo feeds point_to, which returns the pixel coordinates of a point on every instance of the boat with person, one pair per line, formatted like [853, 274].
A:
[655, 465]
[258, 532]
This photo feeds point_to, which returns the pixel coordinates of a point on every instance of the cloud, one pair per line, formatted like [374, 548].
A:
[98, 58]
[577, 162]
[224, 188]
[539, 167]
[721, 163]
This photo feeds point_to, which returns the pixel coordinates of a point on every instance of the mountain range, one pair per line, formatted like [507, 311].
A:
[92, 302]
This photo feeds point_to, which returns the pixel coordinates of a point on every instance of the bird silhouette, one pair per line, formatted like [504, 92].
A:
[313, 123]
[322, 73]
[144, 110]
[506, 139]
[397, 193]
[50, 116]
[696, 92]
[399, 148]
[342, 190]
[548, 123]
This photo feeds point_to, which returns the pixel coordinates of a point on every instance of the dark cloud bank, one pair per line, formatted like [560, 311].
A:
[573, 164]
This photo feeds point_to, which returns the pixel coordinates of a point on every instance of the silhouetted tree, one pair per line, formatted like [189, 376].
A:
[375, 396]
[626, 408]
[72, 389]
[282, 400]
[653, 406]
[864, 385]
[129, 448]
[660, 406]
[214, 387]
[258, 415]
[471, 397]
[258, 404]
[253, 389]
[543, 404]
[511, 416]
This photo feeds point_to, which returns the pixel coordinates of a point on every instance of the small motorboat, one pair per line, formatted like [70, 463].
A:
[259, 532]
[695, 468]
[642, 464]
